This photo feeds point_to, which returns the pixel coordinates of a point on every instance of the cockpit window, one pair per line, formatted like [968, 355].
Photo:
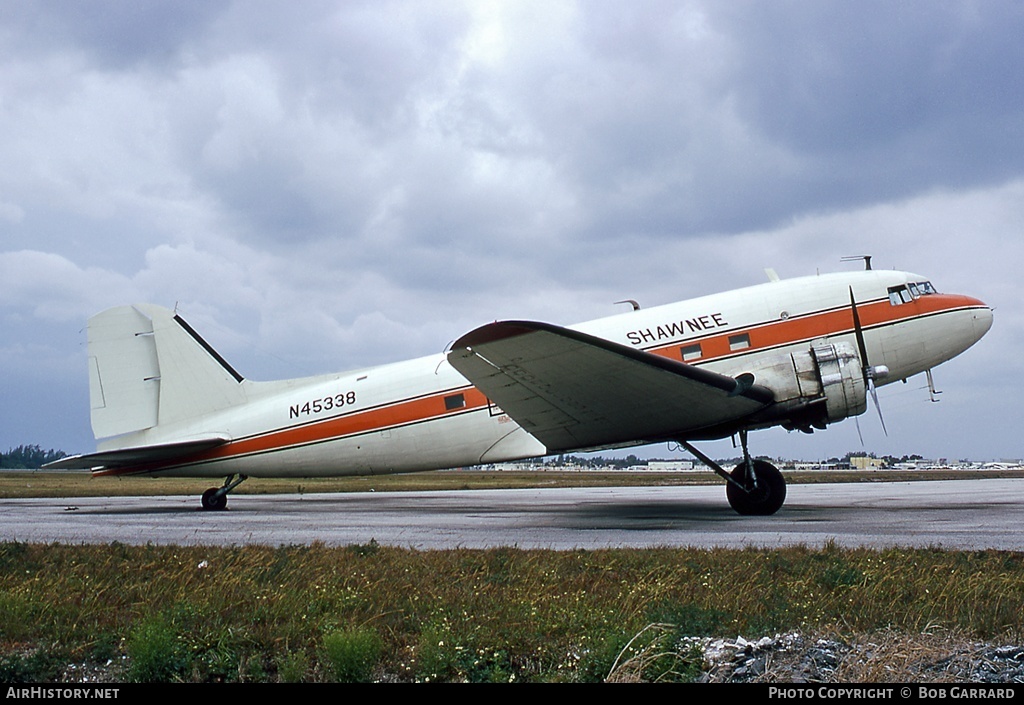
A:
[905, 293]
[899, 295]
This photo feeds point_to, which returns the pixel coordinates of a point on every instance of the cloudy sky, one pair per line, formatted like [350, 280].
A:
[320, 186]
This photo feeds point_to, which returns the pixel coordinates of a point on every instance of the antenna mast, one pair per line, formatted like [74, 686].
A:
[854, 258]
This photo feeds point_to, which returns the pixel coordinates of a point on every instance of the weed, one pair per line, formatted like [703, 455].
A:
[105, 647]
[352, 654]
[691, 620]
[839, 574]
[656, 654]
[16, 618]
[292, 666]
[155, 653]
[35, 666]
[433, 655]
[12, 553]
[443, 656]
[365, 549]
[602, 655]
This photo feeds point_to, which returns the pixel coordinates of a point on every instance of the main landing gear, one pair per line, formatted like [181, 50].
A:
[216, 498]
[754, 487]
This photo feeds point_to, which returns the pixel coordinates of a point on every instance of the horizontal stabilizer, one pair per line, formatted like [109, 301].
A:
[140, 456]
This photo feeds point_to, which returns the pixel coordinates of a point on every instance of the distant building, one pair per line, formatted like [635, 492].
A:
[670, 465]
[863, 462]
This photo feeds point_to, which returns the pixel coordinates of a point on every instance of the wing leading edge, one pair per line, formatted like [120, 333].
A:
[572, 390]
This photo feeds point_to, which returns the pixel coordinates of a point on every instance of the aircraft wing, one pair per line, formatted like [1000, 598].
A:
[572, 390]
[136, 457]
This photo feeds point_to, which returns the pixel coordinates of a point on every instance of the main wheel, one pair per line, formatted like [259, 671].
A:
[765, 498]
[213, 501]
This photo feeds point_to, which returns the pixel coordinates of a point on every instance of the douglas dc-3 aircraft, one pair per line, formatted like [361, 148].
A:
[800, 353]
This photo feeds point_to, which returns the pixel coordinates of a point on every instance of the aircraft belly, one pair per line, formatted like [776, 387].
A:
[516, 445]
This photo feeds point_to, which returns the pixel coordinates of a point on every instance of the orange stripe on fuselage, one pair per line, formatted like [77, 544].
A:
[838, 321]
[377, 419]
[386, 416]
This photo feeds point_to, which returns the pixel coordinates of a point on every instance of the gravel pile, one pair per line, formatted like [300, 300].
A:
[798, 658]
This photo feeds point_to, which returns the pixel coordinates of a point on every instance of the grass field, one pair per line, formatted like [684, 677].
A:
[377, 613]
[21, 484]
[368, 612]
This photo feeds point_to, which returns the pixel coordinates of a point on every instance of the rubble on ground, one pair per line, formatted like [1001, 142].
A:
[885, 657]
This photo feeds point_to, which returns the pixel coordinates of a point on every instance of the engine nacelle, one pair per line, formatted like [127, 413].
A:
[842, 380]
[821, 385]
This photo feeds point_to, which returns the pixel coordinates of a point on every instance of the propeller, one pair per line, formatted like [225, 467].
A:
[871, 372]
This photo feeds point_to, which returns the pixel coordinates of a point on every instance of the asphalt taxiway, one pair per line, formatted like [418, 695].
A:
[960, 514]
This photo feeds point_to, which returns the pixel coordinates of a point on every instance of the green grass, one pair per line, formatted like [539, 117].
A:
[24, 484]
[379, 613]
[351, 655]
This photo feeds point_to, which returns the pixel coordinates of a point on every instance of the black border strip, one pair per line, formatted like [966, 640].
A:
[208, 348]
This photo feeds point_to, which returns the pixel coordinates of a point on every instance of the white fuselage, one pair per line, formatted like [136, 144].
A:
[422, 414]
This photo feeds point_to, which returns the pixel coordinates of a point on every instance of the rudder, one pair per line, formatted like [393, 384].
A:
[148, 368]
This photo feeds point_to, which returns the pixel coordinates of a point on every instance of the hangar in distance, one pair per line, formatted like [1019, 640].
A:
[799, 353]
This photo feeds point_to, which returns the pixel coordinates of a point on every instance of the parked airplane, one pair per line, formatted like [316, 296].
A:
[800, 353]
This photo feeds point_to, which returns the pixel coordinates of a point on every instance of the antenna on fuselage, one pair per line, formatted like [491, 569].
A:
[854, 258]
[631, 302]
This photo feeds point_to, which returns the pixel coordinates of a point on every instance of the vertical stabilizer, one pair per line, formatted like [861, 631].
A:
[149, 368]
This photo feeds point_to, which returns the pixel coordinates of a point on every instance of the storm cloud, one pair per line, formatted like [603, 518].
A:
[328, 185]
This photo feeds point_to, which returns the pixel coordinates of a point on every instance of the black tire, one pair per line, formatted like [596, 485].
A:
[765, 499]
[214, 502]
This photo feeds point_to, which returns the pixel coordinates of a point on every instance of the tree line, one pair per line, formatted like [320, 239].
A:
[28, 457]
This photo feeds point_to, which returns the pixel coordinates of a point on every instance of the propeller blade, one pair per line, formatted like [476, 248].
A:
[859, 332]
[878, 407]
[867, 370]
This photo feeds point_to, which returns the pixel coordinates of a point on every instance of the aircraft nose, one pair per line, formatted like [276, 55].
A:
[982, 320]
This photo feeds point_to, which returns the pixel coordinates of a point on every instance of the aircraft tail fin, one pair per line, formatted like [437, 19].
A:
[148, 367]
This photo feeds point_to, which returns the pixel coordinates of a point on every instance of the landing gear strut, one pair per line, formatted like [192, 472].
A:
[216, 498]
[754, 488]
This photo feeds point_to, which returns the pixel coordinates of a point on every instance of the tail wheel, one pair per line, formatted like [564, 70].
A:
[760, 495]
[214, 499]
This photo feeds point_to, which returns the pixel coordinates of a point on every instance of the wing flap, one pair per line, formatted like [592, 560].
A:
[572, 390]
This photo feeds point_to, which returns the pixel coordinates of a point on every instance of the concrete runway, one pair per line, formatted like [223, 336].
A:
[961, 514]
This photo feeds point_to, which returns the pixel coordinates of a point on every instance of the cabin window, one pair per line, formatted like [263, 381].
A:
[454, 401]
[690, 352]
[739, 342]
